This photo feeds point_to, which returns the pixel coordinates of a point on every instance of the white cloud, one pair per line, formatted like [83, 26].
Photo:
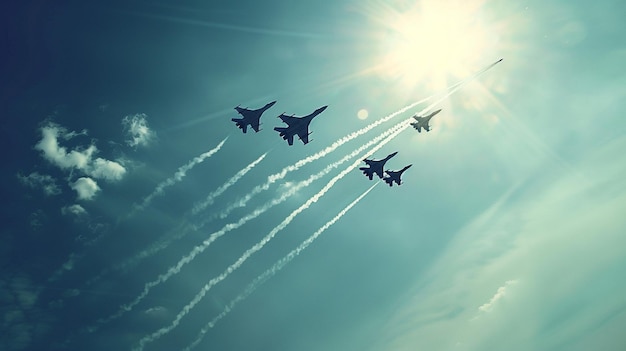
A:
[43, 181]
[80, 158]
[58, 155]
[85, 187]
[75, 209]
[107, 170]
[137, 131]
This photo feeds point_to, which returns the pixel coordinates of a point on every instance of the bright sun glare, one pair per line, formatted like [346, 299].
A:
[433, 41]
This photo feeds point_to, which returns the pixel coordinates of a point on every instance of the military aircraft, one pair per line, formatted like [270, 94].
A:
[297, 126]
[422, 122]
[376, 166]
[250, 117]
[394, 176]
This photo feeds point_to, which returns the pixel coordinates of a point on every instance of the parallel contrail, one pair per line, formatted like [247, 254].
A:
[280, 264]
[184, 229]
[276, 177]
[280, 175]
[258, 246]
[231, 226]
[179, 175]
[211, 197]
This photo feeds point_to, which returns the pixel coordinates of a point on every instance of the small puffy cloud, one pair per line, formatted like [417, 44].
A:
[76, 210]
[107, 170]
[43, 181]
[137, 131]
[85, 187]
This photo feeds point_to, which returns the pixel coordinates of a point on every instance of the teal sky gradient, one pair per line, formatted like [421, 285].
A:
[507, 233]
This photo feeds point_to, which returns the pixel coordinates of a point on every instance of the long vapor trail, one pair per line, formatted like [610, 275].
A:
[280, 264]
[179, 175]
[232, 226]
[280, 175]
[258, 246]
[182, 230]
[211, 197]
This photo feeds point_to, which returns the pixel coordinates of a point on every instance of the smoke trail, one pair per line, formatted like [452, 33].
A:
[274, 269]
[179, 175]
[182, 230]
[211, 197]
[280, 175]
[258, 246]
[231, 226]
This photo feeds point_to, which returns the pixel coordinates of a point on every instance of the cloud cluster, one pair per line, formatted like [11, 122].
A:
[78, 159]
[137, 131]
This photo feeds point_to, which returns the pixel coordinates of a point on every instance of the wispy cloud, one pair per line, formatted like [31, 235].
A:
[138, 133]
[43, 181]
[75, 209]
[500, 293]
[561, 238]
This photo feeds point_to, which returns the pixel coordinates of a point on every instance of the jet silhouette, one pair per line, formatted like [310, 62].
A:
[422, 122]
[376, 166]
[297, 126]
[394, 176]
[250, 118]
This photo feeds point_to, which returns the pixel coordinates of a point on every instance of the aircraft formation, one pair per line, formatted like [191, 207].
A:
[299, 126]
[296, 126]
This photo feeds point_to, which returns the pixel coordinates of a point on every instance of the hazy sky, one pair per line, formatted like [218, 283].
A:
[138, 217]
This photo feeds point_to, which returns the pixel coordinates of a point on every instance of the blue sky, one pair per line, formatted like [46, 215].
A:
[507, 232]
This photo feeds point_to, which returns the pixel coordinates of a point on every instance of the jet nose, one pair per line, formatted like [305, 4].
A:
[321, 109]
[393, 154]
[271, 104]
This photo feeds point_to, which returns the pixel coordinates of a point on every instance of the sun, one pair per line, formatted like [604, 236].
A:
[432, 41]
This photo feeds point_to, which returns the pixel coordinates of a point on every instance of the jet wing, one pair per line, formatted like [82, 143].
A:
[288, 119]
[303, 134]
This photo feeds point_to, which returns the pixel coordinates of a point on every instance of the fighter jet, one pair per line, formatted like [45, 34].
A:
[376, 166]
[394, 176]
[250, 117]
[422, 122]
[297, 126]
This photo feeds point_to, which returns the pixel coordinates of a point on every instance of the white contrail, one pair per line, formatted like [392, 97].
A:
[179, 175]
[211, 197]
[182, 230]
[280, 175]
[231, 226]
[280, 264]
[258, 246]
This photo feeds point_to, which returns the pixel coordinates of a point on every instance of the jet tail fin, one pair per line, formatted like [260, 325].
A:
[389, 181]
